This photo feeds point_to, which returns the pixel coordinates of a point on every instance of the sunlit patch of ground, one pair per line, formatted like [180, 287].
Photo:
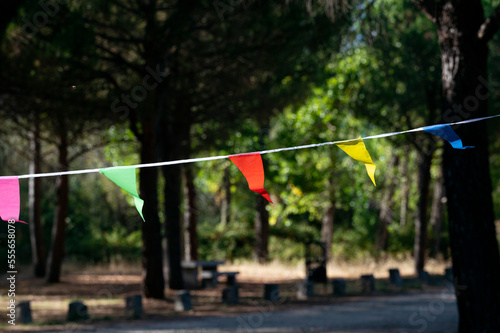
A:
[278, 272]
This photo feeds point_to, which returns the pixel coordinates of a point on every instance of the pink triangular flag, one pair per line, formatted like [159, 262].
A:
[9, 199]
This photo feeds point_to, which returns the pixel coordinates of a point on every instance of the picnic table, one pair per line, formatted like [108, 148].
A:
[204, 274]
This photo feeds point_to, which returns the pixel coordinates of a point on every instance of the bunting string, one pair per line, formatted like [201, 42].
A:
[250, 165]
[212, 158]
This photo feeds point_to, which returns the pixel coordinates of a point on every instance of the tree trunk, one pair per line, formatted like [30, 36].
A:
[261, 221]
[327, 228]
[405, 189]
[328, 219]
[421, 221]
[172, 193]
[386, 213]
[426, 152]
[190, 216]
[38, 257]
[261, 254]
[153, 282]
[474, 247]
[61, 211]
[437, 213]
[175, 130]
[225, 215]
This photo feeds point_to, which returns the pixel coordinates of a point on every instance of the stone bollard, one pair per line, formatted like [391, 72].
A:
[133, 306]
[77, 311]
[271, 292]
[23, 312]
[448, 274]
[230, 295]
[183, 301]
[423, 277]
[306, 290]
[395, 277]
[339, 287]
[367, 284]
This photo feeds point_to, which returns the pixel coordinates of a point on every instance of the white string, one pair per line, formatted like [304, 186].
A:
[202, 159]
[419, 129]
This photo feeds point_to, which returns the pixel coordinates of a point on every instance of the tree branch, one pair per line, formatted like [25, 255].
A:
[431, 8]
[86, 150]
[490, 26]
[123, 6]
[124, 40]
[118, 59]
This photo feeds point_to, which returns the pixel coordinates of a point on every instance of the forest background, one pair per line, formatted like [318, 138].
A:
[90, 84]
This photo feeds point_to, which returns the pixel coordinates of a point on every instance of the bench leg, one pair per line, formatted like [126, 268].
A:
[210, 282]
[231, 280]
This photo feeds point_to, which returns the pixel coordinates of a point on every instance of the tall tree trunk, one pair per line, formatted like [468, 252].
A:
[190, 216]
[421, 221]
[38, 257]
[328, 219]
[175, 129]
[261, 221]
[225, 215]
[405, 188]
[61, 211]
[437, 213]
[327, 228]
[153, 282]
[261, 231]
[426, 153]
[385, 217]
[463, 36]
[172, 193]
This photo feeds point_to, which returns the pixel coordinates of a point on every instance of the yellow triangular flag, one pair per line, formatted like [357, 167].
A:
[357, 150]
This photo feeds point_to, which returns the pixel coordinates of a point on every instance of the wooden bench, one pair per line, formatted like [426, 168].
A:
[196, 272]
[210, 278]
[231, 277]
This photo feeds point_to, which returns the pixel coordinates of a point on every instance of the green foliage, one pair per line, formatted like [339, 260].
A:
[226, 242]
[266, 68]
[97, 232]
[285, 250]
[400, 239]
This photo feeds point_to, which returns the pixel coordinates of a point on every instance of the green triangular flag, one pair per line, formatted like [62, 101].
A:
[125, 178]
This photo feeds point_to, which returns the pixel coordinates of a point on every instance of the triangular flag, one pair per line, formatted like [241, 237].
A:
[252, 168]
[10, 201]
[126, 179]
[447, 133]
[357, 150]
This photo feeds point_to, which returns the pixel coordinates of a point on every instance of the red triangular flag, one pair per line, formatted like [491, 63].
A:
[252, 168]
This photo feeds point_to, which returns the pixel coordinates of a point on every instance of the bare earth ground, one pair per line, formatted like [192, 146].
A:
[413, 308]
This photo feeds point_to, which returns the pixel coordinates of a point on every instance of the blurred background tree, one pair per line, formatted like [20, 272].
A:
[102, 83]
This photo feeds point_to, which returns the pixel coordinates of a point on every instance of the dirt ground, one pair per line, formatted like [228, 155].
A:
[104, 293]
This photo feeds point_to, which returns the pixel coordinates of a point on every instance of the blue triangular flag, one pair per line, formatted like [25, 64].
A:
[447, 133]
